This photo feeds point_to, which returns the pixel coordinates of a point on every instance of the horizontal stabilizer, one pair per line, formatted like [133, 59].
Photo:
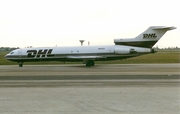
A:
[163, 27]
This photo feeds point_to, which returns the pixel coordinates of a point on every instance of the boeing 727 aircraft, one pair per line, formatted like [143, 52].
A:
[123, 48]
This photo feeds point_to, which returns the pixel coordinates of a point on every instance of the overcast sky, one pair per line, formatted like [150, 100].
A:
[40, 23]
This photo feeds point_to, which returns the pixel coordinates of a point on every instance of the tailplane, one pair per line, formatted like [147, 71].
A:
[146, 39]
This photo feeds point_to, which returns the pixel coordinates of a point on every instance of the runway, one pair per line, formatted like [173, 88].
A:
[80, 72]
[102, 89]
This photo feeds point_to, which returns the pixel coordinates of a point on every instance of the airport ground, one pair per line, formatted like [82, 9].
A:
[102, 89]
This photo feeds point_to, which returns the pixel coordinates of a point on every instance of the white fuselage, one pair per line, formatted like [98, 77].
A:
[79, 53]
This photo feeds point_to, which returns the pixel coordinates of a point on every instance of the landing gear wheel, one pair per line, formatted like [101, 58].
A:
[90, 63]
[87, 64]
[20, 64]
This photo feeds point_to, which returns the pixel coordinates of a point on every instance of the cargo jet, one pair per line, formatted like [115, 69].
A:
[123, 48]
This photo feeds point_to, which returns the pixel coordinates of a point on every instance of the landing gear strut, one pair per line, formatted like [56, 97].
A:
[90, 63]
[20, 64]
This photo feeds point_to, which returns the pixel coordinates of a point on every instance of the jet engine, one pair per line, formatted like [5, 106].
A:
[125, 51]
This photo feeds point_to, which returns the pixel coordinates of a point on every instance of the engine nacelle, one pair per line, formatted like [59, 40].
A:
[124, 51]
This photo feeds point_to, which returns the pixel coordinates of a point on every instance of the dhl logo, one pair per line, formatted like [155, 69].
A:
[149, 36]
[40, 53]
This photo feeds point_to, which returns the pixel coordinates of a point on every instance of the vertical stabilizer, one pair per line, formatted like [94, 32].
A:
[146, 39]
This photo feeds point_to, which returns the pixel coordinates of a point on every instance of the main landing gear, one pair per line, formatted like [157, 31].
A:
[20, 64]
[90, 63]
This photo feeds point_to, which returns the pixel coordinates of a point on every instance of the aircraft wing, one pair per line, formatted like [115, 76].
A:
[84, 57]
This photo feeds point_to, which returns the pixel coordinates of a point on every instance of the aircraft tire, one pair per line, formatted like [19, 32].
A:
[90, 63]
[20, 64]
[87, 65]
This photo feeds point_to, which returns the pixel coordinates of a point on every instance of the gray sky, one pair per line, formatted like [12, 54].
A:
[41, 23]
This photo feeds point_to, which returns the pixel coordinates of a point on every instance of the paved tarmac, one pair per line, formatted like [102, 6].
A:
[97, 70]
[102, 89]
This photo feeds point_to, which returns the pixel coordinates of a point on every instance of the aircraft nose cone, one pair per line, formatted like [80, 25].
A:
[6, 56]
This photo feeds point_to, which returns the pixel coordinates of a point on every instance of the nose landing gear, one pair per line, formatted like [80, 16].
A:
[20, 64]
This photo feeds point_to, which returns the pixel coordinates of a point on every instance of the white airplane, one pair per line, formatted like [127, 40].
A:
[123, 48]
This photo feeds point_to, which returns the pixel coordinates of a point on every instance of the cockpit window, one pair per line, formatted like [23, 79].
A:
[12, 52]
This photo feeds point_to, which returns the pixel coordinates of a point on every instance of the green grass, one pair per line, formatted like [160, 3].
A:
[162, 56]
[159, 57]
